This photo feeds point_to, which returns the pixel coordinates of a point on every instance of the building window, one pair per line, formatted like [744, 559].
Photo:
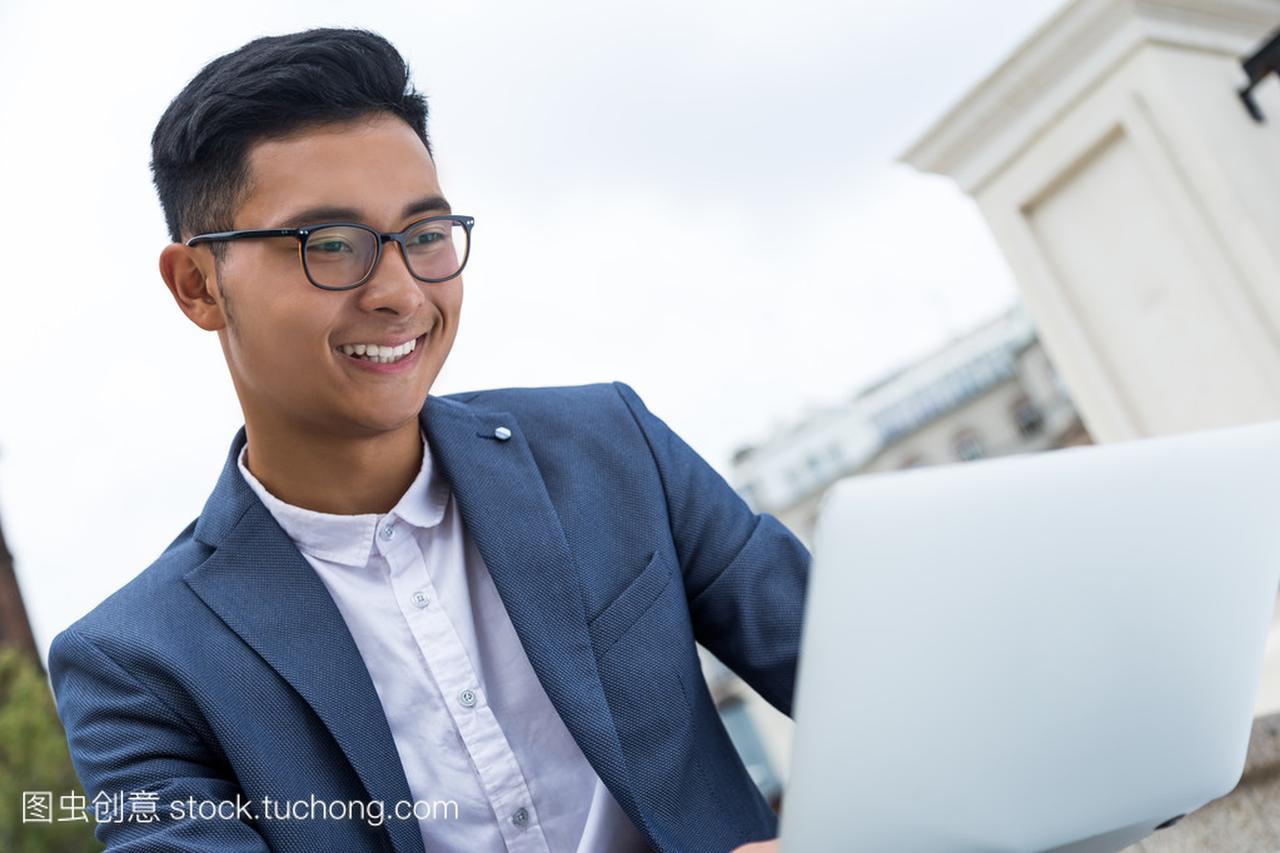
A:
[815, 465]
[969, 445]
[1028, 417]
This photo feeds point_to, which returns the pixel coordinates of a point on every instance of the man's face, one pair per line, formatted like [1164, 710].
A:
[283, 337]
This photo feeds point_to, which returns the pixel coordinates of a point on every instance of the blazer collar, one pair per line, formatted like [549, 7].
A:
[262, 587]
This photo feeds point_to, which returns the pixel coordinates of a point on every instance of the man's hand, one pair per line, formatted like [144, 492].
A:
[770, 846]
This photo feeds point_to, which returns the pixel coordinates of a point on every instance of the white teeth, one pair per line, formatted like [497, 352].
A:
[380, 354]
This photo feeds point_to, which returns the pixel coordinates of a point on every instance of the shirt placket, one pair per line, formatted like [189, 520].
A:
[455, 676]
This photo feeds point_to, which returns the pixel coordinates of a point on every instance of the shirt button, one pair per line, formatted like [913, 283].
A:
[502, 433]
[467, 698]
[388, 532]
[520, 816]
[420, 599]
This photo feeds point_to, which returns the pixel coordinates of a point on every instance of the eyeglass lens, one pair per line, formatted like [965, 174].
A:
[342, 255]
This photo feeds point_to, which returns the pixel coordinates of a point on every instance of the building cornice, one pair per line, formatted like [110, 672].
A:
[1062, 61]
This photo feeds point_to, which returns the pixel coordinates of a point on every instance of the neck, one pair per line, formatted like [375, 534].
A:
[342, 475]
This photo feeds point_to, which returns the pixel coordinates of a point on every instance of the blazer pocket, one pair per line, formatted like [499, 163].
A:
[610, 624]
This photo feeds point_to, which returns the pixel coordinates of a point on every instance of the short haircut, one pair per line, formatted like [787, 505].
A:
[269, 88]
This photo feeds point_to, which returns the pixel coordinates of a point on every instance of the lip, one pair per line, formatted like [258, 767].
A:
[400, 366]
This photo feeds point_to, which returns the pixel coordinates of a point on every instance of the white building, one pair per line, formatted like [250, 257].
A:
[991, 392]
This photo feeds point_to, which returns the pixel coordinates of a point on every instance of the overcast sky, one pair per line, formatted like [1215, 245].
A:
[698, 198]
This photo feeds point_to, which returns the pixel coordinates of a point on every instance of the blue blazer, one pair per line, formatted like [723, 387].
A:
[225, 669]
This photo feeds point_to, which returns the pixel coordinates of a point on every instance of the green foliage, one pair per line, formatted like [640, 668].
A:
[34, 757]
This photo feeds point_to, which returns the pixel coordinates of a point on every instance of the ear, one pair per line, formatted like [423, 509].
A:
[189, 273]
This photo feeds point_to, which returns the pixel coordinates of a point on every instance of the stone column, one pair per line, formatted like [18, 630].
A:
[1138, 204]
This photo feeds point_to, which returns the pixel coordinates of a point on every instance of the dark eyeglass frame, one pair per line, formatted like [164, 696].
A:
[304, 234]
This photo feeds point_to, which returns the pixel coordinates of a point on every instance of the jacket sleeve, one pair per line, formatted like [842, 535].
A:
[745, 574]
[127, 745]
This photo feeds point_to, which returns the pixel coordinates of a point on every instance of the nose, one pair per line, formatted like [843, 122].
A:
[392, 287]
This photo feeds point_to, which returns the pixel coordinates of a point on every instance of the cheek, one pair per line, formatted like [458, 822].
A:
[450, 302]
[276, 361]
[283, 340]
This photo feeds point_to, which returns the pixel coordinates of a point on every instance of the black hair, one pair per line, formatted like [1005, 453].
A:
[270, 87]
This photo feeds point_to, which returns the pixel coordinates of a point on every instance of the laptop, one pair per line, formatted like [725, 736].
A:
[1050, 652]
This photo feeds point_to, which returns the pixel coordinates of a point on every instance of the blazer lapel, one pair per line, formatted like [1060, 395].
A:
[506, 508]
[262, 587]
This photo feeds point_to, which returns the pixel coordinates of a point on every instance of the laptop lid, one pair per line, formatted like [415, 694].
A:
[1057, 651]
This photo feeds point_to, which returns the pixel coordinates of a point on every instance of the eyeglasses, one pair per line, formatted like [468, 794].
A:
[343, 255]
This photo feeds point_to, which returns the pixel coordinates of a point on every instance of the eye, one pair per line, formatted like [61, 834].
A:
[425, 238]
[329, 246]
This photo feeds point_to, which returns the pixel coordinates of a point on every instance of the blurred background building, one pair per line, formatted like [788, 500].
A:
[991, 392]
[15, 628]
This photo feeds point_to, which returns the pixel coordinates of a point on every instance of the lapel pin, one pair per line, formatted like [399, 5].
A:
[502, 433]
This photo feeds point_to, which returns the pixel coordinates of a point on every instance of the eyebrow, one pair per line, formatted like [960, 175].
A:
[331, 213]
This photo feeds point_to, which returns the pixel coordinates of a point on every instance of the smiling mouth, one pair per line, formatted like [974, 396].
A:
[383, 355]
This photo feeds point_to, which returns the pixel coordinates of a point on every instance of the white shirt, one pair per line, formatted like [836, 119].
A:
[470, 719]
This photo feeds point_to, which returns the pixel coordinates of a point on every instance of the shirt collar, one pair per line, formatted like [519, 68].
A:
[348, 539]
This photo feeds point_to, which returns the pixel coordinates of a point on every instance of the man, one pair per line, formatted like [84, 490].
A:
[405, 621]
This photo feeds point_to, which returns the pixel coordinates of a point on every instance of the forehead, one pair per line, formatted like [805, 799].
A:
[374, 165]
